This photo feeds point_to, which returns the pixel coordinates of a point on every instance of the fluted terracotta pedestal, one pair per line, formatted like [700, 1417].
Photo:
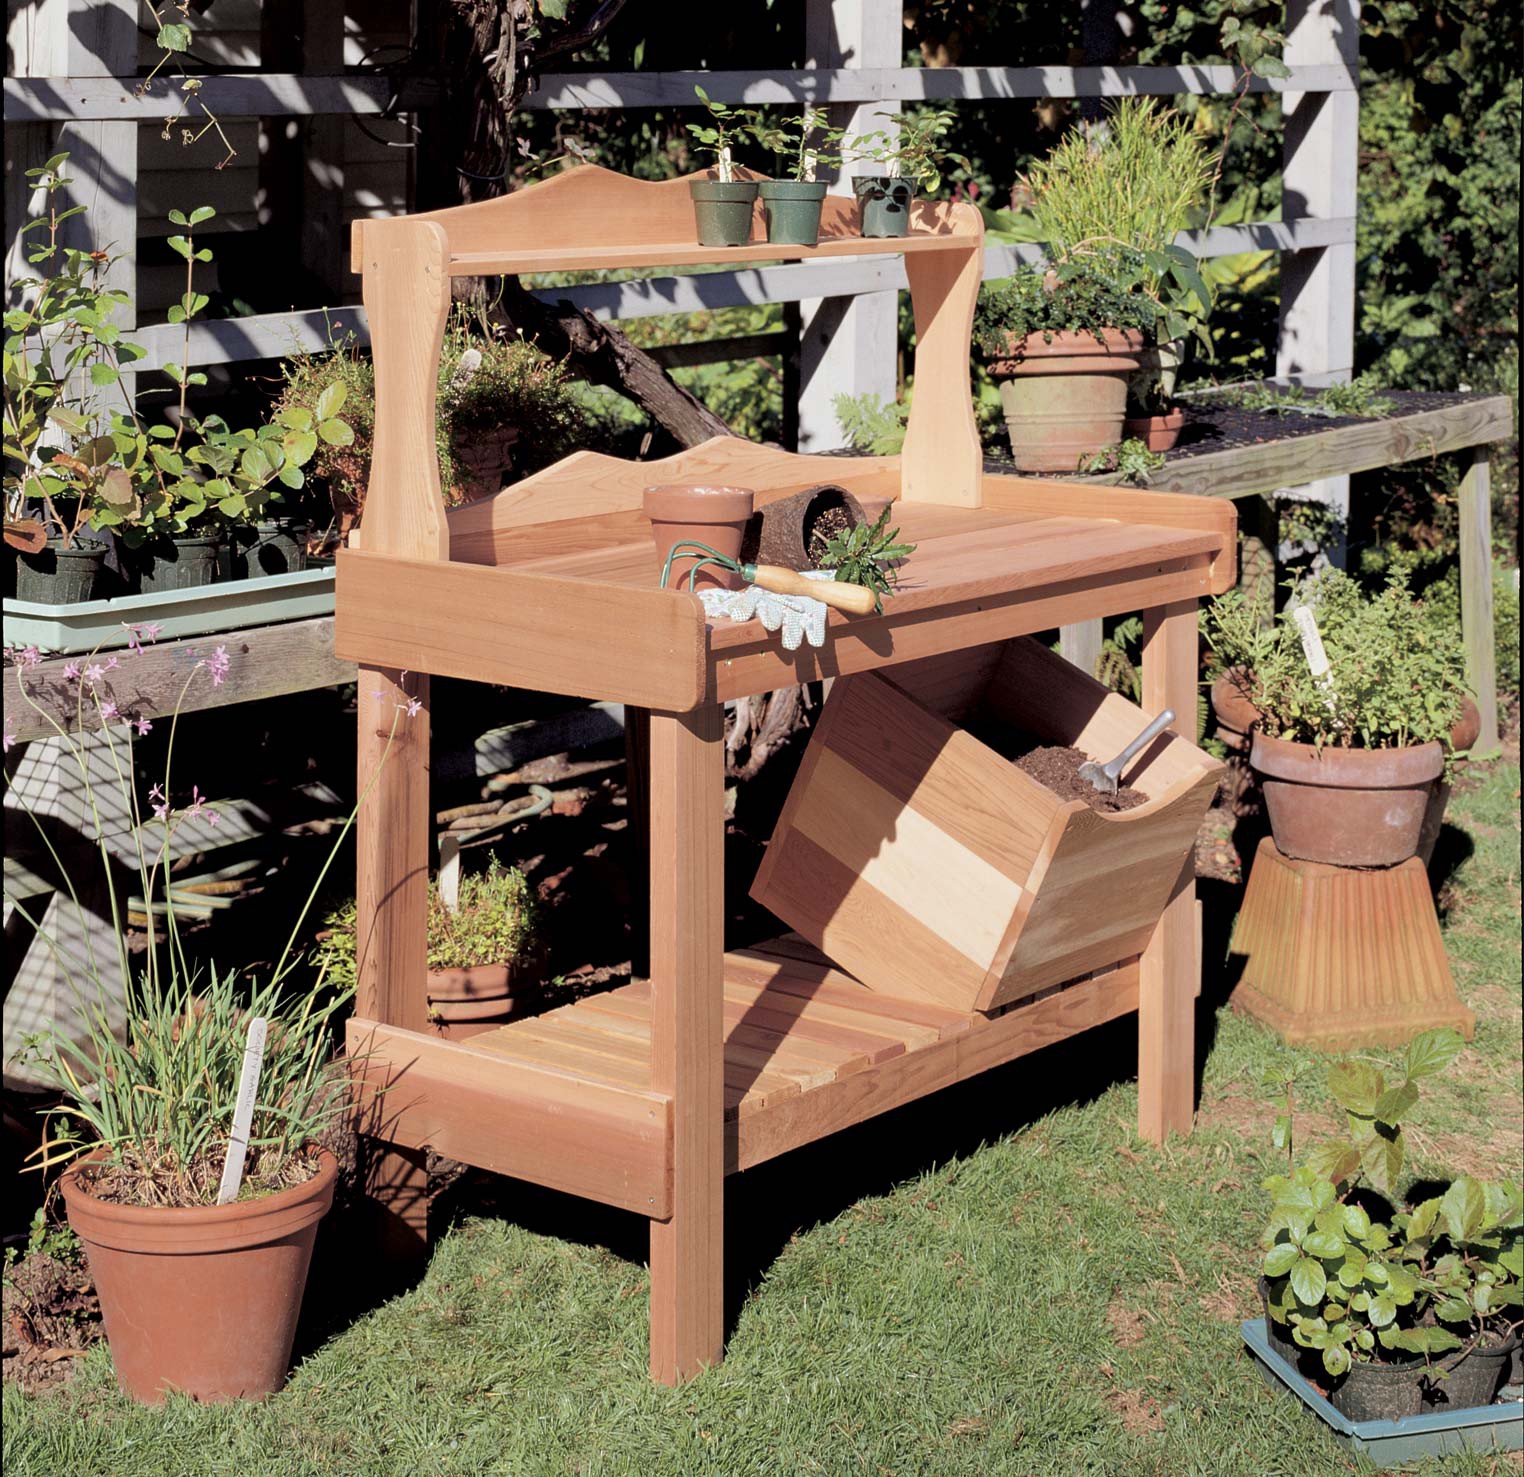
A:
[1337, 957]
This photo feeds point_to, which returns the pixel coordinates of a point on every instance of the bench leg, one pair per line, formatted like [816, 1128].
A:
[396, 1183]
[1476, 595]
[1167, 976]
[686, 818]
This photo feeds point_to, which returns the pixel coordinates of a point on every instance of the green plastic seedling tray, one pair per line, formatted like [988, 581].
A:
[234, 605]
[1497, 1427]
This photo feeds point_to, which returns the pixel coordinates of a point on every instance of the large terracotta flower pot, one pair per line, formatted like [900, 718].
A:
[1233, 709]
[465, 1002]
[1065, 397]
[1346, 807]
[201, 1300]
[681, 512]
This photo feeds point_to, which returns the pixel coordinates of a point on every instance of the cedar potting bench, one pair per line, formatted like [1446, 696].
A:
[646, 1097]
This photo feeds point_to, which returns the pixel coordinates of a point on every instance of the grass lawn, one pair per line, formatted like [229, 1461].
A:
[1001, 1279]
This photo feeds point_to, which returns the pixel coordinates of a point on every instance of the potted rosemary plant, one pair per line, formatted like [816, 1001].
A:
[195, 1187]
[722, 206]
[1348, 757]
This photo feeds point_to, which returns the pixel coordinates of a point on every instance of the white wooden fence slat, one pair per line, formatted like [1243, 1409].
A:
[35, 99]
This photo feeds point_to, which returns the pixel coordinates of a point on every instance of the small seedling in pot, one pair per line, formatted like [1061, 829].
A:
[727, 127]
[802, 144]
[868, 555]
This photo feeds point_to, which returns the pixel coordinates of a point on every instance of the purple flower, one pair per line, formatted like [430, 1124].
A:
[71, 672]
[138, 634]
[108, 709]
[94, 672]
[142, 725]
[413, 706]
[10, 737]
[217, 664]
[199, 810]
[28, 656]
[160, 804]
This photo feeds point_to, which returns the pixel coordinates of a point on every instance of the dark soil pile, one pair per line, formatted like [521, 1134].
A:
[1054, 766]
[825, 525]
[51, 1318]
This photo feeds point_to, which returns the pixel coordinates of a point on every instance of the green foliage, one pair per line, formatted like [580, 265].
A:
[726, 128]
[803, 142]
[915, 149]
[1397, 670]
[73, 460]
[1360, 396]
[1086, 295]
[868, 555]
[1132, 459]
[1420, 1281]
[872, 426]
[497, 923]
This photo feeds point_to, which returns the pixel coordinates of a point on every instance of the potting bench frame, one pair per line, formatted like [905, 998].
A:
[552, 585]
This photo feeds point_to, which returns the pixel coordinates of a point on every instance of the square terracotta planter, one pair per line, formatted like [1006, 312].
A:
[929, 866]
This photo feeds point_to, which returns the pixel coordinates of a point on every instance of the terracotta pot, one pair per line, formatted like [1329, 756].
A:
[201, 1300]
[483, 461]
[465, 1002]
[1467, 730]
[1346, 807]
[1156, 432]
[681, 512]
[1236, 715]
[1065, 398]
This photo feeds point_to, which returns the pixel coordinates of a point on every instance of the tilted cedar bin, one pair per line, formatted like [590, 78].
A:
[929, 866]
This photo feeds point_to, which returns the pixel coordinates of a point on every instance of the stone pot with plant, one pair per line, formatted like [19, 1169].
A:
[912, 156]
[722, 204]
[1060, 344]
[486, 960]
[1347, 758]
[1406, 1305]
[193, 1106]
[80, 456]
[791, 206]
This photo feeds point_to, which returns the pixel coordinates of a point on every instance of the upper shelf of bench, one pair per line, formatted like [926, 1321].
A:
[590, 219]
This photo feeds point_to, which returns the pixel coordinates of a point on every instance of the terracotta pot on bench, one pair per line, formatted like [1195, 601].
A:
[920, 860]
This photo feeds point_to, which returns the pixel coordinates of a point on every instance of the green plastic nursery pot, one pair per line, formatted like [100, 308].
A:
[59, 576]
[791, 210]
[1065, 395]
[203, 1300]
[885, 203]
[278, 546]
[179, 564]
[723, 211]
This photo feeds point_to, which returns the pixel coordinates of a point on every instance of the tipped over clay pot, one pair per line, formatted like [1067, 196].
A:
[717, 516]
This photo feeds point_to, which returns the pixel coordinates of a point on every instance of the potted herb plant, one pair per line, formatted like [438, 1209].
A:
[912, 155]
[1061, 343]
[722, 206]
[1348, 759]
[791, 206]
[485, 958]
[197, 1221]
[1400, 1307]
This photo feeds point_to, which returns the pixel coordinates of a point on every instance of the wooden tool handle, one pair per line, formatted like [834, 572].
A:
[853, 599]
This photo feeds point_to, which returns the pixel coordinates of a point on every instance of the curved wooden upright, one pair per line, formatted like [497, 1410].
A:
[647, 1097]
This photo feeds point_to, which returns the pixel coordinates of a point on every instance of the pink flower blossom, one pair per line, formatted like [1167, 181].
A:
[218, 664]
[199, 810]
[109, 709]
[160, 804]
[413, 706]
[141, 632]
[71, 672]
[28, 656]
[143, 725]
[10, 737]
[112, 664]
[94, 672]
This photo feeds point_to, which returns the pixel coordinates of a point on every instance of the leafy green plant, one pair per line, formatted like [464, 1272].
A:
[868, 555]
[871, 425]
[727, 127]
[1360, 396]
[71, 460]
[1353, 1278]
[913, 149]
[1132, 459]
[1397, 669]
[1088, 295]
[497, 923]
[803, 143]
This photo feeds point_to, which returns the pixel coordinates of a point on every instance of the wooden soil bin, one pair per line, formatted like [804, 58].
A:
[928, 866]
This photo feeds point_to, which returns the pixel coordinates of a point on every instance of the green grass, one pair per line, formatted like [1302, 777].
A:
[1056, 1299]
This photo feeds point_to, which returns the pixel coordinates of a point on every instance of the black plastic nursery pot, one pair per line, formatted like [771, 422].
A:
[791, 210]
[277, 546]
[722, 211]
[1380, 1392]
[179, 564]
[57, 575]
[1472, 1378]
[885, 203]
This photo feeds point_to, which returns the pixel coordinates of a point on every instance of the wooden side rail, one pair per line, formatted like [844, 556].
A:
[608, 642]
[593, 1139]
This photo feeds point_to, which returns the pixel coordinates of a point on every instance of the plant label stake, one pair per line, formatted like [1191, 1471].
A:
[243, 1111]
[1312, 648]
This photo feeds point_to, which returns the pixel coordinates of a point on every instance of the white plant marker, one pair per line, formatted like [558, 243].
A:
[1312, 648]
[724, 170]
[243, 1111]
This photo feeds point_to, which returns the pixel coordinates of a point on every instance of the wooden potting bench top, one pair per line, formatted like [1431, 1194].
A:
[648, 1097]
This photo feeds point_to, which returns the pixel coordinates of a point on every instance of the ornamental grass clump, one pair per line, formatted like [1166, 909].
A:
[149, 1067]
[1397, 671]
[1362, 1281]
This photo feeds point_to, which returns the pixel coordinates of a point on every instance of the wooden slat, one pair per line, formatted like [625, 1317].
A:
[1475, 498]
[268, 95]
[607, 1143]
[527, 630]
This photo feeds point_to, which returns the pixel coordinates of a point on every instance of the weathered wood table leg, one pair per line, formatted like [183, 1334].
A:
[1476, 594]
[1167, 978]
[686, 808]
[391, 897]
